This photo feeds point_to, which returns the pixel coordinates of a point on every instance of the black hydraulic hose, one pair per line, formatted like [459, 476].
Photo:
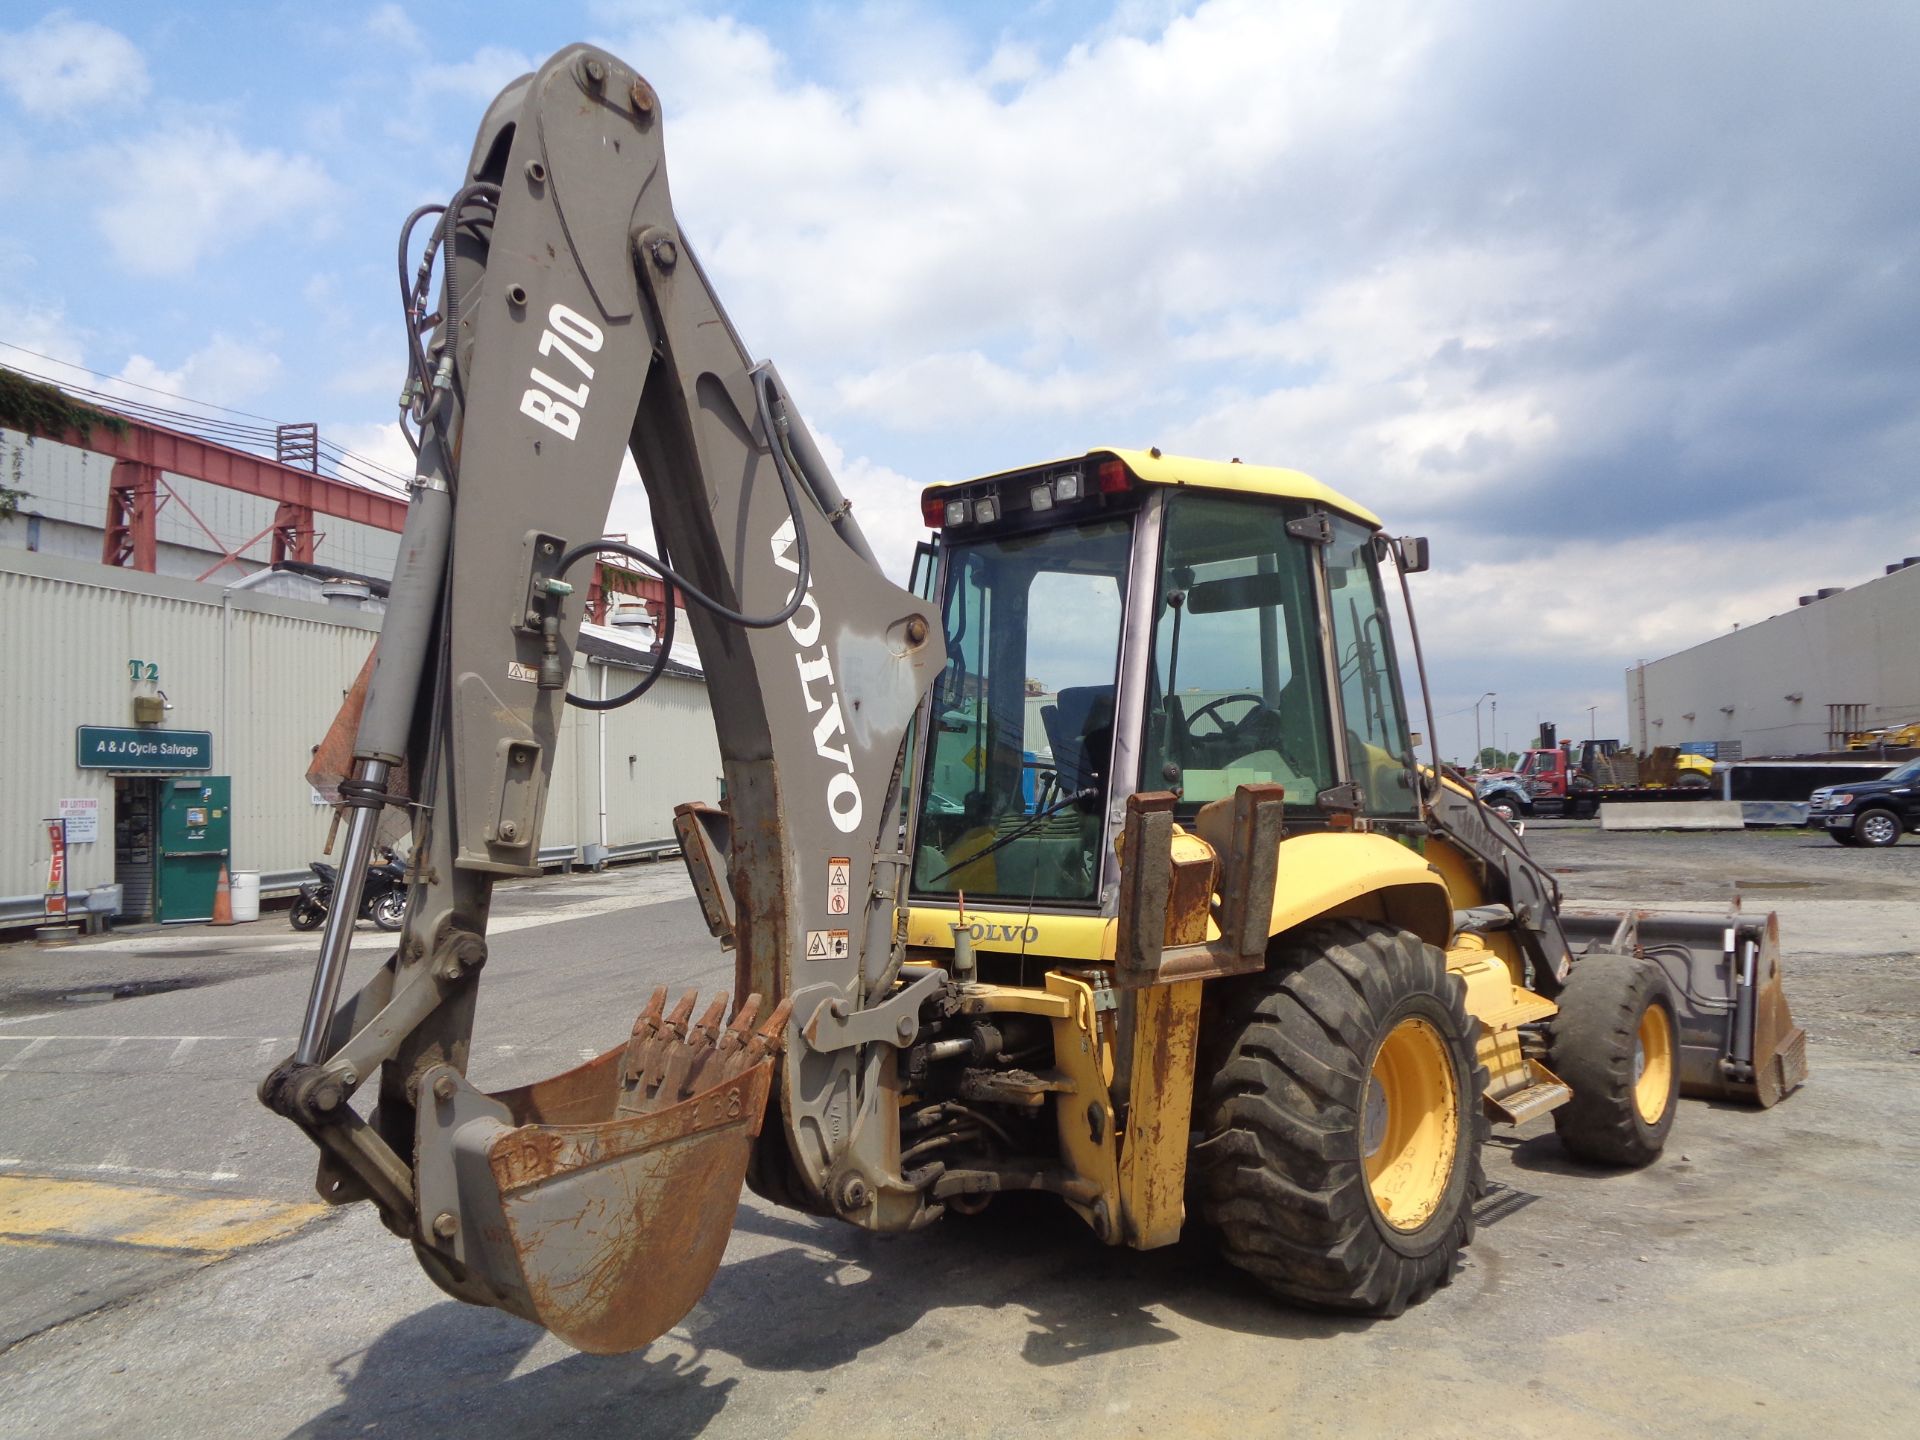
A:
[803, 576]
[416, 357]
[645, 683]
[676, 581]
[449, 231]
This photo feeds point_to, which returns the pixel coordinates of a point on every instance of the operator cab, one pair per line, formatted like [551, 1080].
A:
[1128, 622]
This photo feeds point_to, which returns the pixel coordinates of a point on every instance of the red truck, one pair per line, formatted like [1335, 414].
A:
[1572, 778]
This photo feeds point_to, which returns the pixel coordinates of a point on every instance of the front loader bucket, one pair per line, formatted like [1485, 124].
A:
[1737, 1036]
[598, 1203]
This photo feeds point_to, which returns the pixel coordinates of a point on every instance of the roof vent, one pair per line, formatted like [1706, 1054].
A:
[1903, 564]
[347, 594]
[1808, 599]
[1829, 590]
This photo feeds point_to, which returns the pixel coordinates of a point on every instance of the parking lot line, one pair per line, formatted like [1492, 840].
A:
[36, 1209]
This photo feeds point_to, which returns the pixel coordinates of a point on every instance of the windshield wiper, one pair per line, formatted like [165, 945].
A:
[1025, 827]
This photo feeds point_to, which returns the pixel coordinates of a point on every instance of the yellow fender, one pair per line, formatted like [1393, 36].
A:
[1342, 873]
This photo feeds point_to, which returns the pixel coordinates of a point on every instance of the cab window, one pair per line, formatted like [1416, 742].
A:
[1378, 748]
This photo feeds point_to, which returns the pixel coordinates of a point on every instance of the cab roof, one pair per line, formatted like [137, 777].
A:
[1152, 467]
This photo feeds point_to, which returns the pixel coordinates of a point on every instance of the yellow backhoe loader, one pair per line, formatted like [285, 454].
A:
[1100, 864]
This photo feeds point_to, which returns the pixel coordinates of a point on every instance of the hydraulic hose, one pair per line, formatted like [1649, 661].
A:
[664, 639]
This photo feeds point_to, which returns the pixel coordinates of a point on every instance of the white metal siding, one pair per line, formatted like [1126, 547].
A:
[1861, 647]
[265, 675]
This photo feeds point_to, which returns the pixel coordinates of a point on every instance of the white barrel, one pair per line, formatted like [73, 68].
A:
[244, 892]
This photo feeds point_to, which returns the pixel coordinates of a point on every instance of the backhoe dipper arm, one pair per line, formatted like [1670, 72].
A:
[575, 325]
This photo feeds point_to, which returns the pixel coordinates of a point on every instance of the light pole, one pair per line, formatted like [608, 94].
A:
[1591, 732]
[1477, 747]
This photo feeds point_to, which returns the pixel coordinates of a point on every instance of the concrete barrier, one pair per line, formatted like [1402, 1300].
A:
[1673, 815]
[1775, 812]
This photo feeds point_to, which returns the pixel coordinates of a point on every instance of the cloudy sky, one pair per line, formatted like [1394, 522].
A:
[1618, 303]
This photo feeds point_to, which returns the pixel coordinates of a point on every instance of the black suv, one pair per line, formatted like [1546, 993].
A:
[1869, 812]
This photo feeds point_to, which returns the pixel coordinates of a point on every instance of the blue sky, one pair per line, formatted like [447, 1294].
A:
[1617, 303]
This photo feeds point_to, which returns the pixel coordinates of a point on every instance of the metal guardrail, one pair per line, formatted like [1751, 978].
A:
[27, 909]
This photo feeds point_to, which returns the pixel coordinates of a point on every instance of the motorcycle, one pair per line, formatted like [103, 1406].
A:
[383, 901]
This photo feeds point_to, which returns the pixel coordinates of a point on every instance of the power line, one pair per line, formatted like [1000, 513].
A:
[345, 465]
[151, 389]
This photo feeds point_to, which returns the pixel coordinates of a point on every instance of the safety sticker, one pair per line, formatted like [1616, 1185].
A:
[517, 671]
[839, 884]
[826, 944]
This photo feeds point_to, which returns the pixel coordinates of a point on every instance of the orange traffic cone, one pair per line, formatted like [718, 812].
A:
[222, 899]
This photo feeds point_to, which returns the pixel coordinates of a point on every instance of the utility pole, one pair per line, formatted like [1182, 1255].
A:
[1591, 732]
[1494, 725]
[1478, 748]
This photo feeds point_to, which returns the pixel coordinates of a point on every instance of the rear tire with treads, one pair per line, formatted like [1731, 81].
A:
[1617, 1043]
[1342, 1119]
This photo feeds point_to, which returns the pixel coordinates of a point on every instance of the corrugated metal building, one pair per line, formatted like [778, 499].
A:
[264, 675]
[1795, 684]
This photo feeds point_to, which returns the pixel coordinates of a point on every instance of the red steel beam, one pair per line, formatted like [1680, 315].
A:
[188, 455]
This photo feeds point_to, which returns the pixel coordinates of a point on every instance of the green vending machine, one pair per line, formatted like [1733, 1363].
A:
[196, 821]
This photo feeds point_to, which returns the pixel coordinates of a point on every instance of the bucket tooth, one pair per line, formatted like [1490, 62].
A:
[598, 1202]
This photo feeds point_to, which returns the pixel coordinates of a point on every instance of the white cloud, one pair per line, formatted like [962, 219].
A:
[63, 66]
[225, 371]
[391, 25]
[936, 391]
[383, 444]
[480, 77]
[192, 191]
[41, 338]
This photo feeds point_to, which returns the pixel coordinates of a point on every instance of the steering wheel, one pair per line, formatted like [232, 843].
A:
[1212, 707]
[1267, 735]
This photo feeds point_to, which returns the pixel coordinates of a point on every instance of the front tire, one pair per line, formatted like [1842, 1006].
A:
[1877, 828]
[1343, 1120]
[389, 912]
[1616, 1042]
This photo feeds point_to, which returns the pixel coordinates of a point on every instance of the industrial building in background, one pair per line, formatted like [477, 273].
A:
[181, 616]
[1839, 671]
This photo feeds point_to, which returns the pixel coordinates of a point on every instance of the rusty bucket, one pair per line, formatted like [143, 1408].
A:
[598, 1203]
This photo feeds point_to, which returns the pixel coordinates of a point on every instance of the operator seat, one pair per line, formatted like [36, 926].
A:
[1079, 728]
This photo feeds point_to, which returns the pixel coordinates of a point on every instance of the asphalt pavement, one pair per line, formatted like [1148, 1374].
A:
[164, 1270]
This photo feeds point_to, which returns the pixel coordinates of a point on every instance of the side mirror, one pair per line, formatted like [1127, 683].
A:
[1411, 553]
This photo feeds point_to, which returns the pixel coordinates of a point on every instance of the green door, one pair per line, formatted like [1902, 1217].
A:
[196, 819]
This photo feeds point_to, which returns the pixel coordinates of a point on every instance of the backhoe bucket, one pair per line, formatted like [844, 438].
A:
[1737, 1036]
[598, 1203]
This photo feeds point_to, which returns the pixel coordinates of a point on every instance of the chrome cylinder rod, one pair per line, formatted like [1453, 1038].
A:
[331, 967]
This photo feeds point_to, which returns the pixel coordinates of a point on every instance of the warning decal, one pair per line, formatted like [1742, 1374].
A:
[826, 944]
[839, 884]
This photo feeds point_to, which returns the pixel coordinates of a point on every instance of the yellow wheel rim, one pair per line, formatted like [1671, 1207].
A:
[1410, 1122]
[1652, 1064]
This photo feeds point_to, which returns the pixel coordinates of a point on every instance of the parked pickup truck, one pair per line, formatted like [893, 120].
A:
[1869, 812]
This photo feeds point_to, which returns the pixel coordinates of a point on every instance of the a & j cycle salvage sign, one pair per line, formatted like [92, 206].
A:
[110, 747]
